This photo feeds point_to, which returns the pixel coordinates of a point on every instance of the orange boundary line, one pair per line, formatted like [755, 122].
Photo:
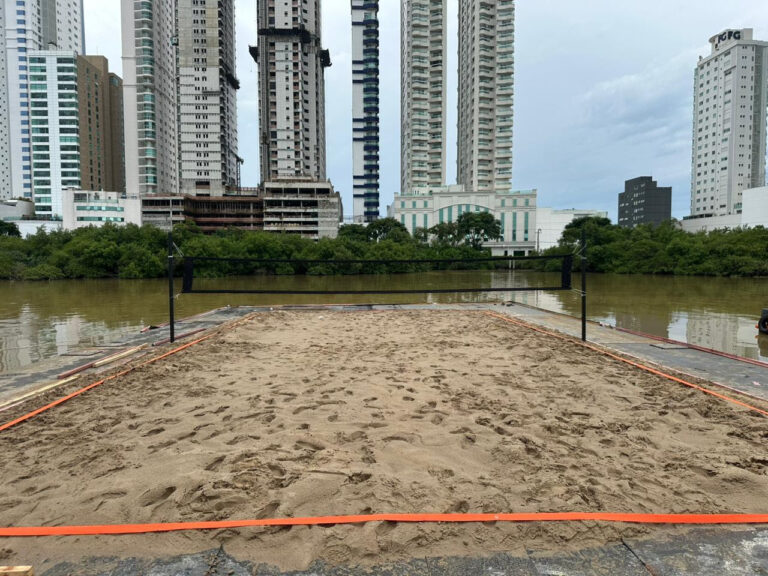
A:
[123, 529]
[632, 363]
[77, 393]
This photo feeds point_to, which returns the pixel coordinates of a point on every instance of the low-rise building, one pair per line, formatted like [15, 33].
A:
[310, 209]
[244, 211]
[163, 211]
[13, 210]
[754, 212]
[83, 208]
[644, 202]
[515, 210]
[551, 223]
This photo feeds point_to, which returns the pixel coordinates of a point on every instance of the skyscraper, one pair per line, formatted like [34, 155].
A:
[56, 126]
[71, 127]
[486, 93]
[150, 95]
[100, 103]
[729, 123]
[207, 97]
[291, 64]
[423, 56]
[28, 26]
[365, 109]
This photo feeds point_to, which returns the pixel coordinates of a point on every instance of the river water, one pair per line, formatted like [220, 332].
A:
[42, 319]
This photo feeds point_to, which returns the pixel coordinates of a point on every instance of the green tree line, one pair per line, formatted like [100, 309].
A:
[665, 249]
[141, 252]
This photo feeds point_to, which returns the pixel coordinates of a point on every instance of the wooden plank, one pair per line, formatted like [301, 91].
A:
[16, 571]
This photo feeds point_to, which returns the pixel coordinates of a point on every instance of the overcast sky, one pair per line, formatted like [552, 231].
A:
[603, 91]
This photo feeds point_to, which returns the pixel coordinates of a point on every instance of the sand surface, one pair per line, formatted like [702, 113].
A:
[317, 413]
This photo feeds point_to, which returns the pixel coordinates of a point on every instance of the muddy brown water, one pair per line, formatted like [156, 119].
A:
[42, 319]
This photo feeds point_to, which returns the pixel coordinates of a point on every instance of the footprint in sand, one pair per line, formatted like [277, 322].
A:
[155, 496]
[216, 464]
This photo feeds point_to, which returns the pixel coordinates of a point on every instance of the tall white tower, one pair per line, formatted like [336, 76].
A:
[150, 96]
[729, 123]
[29, 26]
[423, 56]
[207, 97]
[365, 109]
[486, 94]
[292, 66]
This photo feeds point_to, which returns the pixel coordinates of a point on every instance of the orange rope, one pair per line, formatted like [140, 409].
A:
[635, 364]
[122, 529]
[39, 411]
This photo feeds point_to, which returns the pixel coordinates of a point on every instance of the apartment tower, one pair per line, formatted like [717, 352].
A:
[71, 128]
[486, 93]
[150, 96]
[291, 64]
[423, 56]
[100, 103]
[365, 109]
[28, 26]
[729, 123]
[207, 97]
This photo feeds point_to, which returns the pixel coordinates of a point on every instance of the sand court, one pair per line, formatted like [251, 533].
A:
[312, 413]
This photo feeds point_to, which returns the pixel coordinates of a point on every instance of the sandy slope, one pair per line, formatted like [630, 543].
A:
[315, 413]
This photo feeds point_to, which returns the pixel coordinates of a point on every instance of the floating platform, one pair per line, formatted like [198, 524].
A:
[309, 411]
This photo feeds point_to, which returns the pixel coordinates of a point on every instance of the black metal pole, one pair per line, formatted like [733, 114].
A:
[170, 287]
[583, 285]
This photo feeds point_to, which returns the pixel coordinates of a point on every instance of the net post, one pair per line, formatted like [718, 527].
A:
[188, 277]
[583, 284]
[566, 280]
[170, 288]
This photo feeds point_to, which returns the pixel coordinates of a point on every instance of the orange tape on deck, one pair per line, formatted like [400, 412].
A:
[39, 411]
[124, 529]
[635, 364]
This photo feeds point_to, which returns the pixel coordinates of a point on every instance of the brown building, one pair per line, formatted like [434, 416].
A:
[102, 152]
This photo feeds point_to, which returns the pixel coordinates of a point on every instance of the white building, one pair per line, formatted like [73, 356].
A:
[486, 94]
[83, 208]
[365, 109]
[55, 129]
[27, 26]
[15, 210]
[291, 89]
[551, 223]
[729, 124]
[755, 211]
[150, 96]
[207, 97]
[423, 59]
[515, 210]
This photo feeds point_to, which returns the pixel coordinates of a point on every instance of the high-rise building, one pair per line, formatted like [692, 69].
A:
[365, 109]
[150, 96]
[5, 144]
[423, 58]
[71, 127]
[207, 97]
[100, 102]
[729, 123]
[644, 202]
[117, 132]
[55, 130]
[486, 93]
[28, 26]
[291, 64]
